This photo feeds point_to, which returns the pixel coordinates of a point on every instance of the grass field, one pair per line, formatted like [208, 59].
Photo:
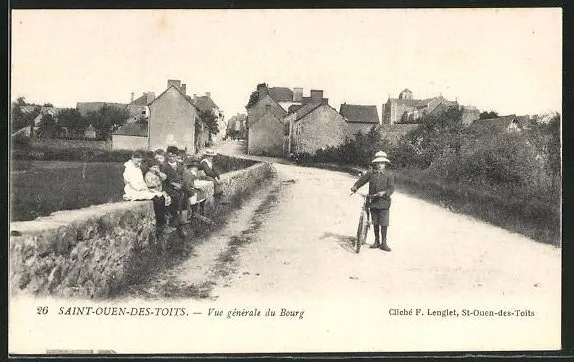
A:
[48, 186]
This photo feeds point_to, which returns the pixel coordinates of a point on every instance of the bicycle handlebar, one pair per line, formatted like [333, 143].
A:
[360, 193]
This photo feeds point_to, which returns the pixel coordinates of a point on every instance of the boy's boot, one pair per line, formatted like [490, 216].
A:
[377, 242]
[384, 245]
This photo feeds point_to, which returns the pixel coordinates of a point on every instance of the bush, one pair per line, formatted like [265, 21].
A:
[77, 154]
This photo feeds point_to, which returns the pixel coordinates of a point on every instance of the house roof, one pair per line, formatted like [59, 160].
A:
[187, 98]
[204, 103]
[307, 100]
[277, 110]
[28, 108]
[355, 113]
[281, 94]
[141, 101]
[133, 129]
[305, 110]
[293, 108]
[310, 108]
[499, 124]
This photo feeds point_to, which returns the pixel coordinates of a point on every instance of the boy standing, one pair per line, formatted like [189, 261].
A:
[382, 185]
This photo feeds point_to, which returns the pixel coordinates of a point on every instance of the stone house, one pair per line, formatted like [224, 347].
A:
[261, 123]
[266, 136]
[288, 98]
[359, 118]
[315, 126]
[172, 119]
[236, 126]
[406, 109]
[138, 108]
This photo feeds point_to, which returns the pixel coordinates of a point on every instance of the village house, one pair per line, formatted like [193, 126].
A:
[53, 133]
[481, 131]
[511, 123]
[266, 135]
[236, 127]
[313, 127]
[171, 121]
[138, 108]
[265, 127]
[359, 118]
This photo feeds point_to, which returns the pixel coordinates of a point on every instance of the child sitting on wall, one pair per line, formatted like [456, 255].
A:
[195, 195]
[154, 179]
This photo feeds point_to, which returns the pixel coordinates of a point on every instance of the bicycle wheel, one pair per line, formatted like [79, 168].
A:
[361, 232]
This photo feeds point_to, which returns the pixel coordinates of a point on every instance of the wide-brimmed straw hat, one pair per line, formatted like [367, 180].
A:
[209, 153]
[380, 157]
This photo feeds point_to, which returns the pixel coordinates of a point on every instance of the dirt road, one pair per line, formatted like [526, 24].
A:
[290, 245]
[295, 236]
[280, 276]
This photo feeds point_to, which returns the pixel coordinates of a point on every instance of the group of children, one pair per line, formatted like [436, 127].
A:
[169, 181]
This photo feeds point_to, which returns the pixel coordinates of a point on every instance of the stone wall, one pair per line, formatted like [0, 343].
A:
[67, 144]
[96, 251]
[123, 142]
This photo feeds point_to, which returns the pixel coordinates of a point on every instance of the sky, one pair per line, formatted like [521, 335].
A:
[506, 60]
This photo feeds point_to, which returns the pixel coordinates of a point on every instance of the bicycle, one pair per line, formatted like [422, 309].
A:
[364, 223]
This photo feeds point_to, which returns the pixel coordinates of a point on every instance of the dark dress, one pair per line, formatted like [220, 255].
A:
[174, 175]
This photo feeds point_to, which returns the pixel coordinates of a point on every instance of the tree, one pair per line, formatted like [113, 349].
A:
[254, 97]
[438, 134]
[21, 119]
[486, 115]
[48, 105]
[48, 126]
[210, 120]
[72, 120]
[108, 119]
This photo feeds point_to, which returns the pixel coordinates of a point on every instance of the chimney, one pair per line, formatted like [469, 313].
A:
[208, 94]
[316, 96]
[132, 97]
[183, 89]
[174, 82]
[194, 96]
[297, 94]
[262, 90]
